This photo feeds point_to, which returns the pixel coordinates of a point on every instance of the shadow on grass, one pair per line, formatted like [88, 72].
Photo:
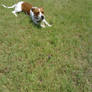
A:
[37, 26]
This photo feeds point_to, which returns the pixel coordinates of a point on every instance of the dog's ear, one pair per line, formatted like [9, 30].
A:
[42, 10]
[32, 8]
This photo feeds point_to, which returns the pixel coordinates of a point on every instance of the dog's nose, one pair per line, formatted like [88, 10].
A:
[42, 17]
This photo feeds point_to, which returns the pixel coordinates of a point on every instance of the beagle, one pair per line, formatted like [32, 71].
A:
[36, 14]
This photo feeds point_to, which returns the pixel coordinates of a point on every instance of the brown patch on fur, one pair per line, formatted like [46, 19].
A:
[36, 11]
[42, 10]
[26, 7]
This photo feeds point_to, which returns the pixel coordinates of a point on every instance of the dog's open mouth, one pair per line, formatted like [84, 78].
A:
[38, 19]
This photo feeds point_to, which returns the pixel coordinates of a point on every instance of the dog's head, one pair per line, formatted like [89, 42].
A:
[38, 13]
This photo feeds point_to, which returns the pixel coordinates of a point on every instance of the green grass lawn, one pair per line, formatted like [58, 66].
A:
[56, 59]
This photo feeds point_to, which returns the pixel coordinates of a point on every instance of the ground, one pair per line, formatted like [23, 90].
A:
[56, 59]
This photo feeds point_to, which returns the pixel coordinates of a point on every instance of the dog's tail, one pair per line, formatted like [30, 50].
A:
[9, 7]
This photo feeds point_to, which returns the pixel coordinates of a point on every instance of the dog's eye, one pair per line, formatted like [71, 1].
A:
[37, 13]
[42, 12]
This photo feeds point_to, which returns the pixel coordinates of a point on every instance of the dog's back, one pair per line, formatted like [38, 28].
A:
[26, 7]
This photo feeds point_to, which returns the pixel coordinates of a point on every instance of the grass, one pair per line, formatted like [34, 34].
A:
[56, 59]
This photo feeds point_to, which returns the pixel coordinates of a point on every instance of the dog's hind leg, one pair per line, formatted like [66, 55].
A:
[17, 10]
[14, 12]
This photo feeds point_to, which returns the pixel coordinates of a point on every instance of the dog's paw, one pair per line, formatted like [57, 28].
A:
[43, 26]
[50, 25]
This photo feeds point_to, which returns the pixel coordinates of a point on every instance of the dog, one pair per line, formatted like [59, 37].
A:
[36, 14]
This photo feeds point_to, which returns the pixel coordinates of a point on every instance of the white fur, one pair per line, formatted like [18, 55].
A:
[16, 6]
[35, 20]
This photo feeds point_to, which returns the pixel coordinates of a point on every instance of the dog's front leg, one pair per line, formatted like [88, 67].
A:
[35, 22]
[46, 23]
[42, 24]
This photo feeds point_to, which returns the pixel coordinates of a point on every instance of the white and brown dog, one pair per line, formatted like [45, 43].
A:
[37, 14]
